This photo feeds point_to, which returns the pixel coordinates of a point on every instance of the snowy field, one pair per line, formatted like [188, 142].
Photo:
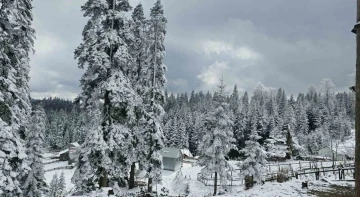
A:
[197, 189]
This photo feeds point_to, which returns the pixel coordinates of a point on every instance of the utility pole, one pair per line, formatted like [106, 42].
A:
[356, 30]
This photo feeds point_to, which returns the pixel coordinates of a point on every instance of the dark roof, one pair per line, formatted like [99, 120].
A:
[171, 152]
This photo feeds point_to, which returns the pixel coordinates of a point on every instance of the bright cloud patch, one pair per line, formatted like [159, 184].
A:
[220, 47]
[211, 75]
[47, 43]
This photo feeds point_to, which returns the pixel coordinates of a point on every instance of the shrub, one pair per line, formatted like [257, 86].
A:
[283, 175]
[249, 182]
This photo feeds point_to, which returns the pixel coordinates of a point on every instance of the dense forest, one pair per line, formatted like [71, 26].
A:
[314, 118]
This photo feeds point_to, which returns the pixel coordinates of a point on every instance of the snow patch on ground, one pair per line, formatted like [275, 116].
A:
[197, 189]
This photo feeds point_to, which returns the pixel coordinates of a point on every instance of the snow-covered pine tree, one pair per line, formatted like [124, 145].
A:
[138, 49]
[217, 141]
[17, 39]
[239, 127]
[62, 184]
[328, 92]
[255, 160]
[54, 186]
[16, 44]
[302, 126]
[12, 158]
[34, 184]
[105, 55]
[139, 45]
[153, 81]
[92, 157]
[235, 100]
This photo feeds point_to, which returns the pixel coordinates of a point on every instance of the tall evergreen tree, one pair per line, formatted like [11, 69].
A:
[234, 100]
[255, 160]
[109, 72]
[217, 141]
[54, 187]
[16, 44]
[153, 81]
[92, 156]
[34, 184]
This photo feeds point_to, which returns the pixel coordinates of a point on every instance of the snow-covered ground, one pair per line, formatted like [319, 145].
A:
[197, 189]
[50, 173]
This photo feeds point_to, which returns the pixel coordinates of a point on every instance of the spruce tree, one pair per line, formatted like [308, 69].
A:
[54, 187]
[217, 141]
[234, 100]
[105, 55]
[62, 184]
[16, 44]
[255, 161]
[153, 81]
[92, 157]
[34, 184]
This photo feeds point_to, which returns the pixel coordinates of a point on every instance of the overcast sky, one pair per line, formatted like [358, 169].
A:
[281, 43]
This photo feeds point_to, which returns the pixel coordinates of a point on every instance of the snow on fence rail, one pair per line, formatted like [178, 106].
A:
[60, 168]
[339, 171]
[51, 162]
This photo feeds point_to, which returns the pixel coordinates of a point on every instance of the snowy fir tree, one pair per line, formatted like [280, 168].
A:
[54, 187]
[153, 81]
[62, 184]
[16, 44]
[105, 55]
[217, 141]
[255, 161]
[34, 183]
[92, 157]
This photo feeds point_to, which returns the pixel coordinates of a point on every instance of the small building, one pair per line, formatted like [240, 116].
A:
[186, 154]
[64, 155]
[172, 158]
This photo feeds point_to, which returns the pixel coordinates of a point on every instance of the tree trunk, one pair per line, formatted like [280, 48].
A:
[132, 176]
[103, 179]
[333, 154]
[150, 185]
[215, 184]
[357, 107]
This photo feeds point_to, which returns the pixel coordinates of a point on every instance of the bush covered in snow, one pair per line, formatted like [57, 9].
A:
[283, 175]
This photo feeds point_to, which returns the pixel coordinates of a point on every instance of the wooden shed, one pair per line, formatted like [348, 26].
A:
[172, 158]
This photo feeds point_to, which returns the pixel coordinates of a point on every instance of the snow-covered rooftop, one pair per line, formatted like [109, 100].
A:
[75, 144]
[186, 152]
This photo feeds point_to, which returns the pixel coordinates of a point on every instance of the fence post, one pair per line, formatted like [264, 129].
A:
[317, 174]
[296, 175]
[299, 164]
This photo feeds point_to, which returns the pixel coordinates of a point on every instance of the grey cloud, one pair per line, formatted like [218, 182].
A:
[300, 42]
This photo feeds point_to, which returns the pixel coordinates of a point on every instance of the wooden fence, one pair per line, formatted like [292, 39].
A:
[338, 172]
[295, 169]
